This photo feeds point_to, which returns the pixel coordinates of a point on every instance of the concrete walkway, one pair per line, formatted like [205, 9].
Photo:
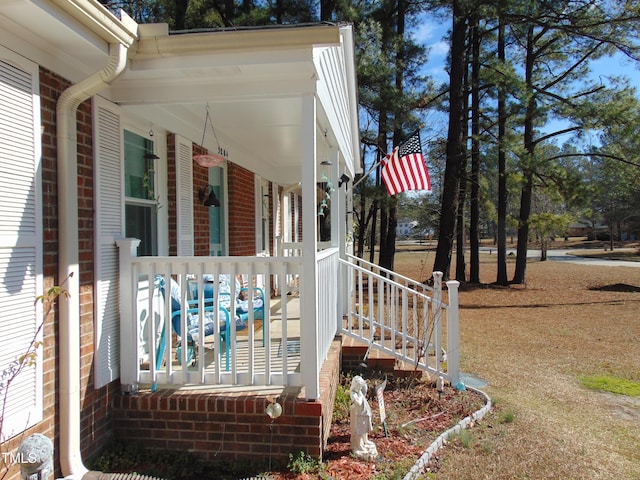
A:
[567, 255]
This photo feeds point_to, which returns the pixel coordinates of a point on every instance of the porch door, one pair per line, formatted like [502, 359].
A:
[21, 263]
[218, 243]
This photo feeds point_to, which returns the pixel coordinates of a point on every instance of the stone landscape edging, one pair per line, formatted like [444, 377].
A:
[420, 465]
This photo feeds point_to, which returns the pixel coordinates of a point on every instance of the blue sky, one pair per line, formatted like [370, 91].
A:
[431, 31]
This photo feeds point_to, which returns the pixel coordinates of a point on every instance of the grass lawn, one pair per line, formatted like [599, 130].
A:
[535, 345]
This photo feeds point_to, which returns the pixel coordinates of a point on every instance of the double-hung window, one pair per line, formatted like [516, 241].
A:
[140, 192]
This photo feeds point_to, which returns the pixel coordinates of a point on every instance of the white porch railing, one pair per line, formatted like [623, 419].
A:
[266, 352]
[396, 315]
[327, 300]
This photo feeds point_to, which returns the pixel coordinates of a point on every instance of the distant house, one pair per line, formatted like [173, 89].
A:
[406, 227]
[581, 228]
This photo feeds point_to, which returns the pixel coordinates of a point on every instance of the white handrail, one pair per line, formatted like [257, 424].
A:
[391, 273]
[401, 321]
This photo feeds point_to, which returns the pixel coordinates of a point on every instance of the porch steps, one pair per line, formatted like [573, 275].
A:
[354, 351]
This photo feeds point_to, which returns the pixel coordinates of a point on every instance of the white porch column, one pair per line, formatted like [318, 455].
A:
[346, 208]
[310, 364]
[128, 248]
[338, 237]
[335, 211]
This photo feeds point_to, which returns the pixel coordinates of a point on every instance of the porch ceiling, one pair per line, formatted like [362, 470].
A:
[252, 81]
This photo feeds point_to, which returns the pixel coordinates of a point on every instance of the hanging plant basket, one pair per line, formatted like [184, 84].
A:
[209, 160]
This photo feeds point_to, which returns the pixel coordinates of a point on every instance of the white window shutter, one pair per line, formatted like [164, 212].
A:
[21, 274]
[184, 193]
[109, 206]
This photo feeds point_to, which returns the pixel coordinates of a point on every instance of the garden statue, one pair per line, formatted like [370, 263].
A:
[360, 410]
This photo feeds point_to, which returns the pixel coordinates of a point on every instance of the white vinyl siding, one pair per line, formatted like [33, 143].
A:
[109, 227]
[21, 279]
[184, 174]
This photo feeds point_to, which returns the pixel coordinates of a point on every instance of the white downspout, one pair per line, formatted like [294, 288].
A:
[70, 405]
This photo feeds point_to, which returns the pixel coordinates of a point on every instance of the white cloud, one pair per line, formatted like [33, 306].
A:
[439, 49]
[425, 32]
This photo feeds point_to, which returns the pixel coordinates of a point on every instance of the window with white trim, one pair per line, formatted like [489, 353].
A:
[141, 200]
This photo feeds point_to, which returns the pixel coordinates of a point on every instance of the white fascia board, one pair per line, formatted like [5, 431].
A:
[259, 40]
[93, 15]
[348, 47]
[338, 99]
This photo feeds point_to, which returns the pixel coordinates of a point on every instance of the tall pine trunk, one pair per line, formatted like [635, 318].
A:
[501, 233]
[527, 168]
[455, 151]
[474, 213]
[387, 254]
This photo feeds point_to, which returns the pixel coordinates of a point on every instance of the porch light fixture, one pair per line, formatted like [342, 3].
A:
[210, 159]
[208, 197]
[344, 178]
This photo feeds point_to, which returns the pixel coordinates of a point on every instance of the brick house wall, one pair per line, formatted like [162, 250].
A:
[242, 212]
[231, 426]
[200, 212]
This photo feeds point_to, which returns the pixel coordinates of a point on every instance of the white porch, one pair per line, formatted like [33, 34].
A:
[287, 343]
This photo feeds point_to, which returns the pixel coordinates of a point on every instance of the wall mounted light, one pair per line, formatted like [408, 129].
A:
[208, 197]
[344, 178]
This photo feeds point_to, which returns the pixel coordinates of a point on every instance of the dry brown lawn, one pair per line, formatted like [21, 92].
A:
[531, 343]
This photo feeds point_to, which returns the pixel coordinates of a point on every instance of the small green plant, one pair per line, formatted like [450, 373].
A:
[147, 184]
[464, 437]
[507, 417]
[608, 383]
[342, 403]
[393, 471]
[301, 462]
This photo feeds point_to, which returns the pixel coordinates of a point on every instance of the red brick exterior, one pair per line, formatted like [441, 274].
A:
[216, 426]
[242, 211]
[200, 212]
[230, 426]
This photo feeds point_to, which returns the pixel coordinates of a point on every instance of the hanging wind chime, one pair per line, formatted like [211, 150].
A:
[210, 159]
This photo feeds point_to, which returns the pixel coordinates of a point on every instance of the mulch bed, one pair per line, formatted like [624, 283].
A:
[416, 415]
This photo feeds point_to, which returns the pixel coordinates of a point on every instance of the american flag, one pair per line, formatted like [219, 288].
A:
[405, 169]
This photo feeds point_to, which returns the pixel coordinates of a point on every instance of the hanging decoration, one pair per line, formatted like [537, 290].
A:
[210, 159]
[328, 187]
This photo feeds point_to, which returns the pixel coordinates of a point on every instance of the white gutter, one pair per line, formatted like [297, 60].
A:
[69, 308]
[154, 42]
